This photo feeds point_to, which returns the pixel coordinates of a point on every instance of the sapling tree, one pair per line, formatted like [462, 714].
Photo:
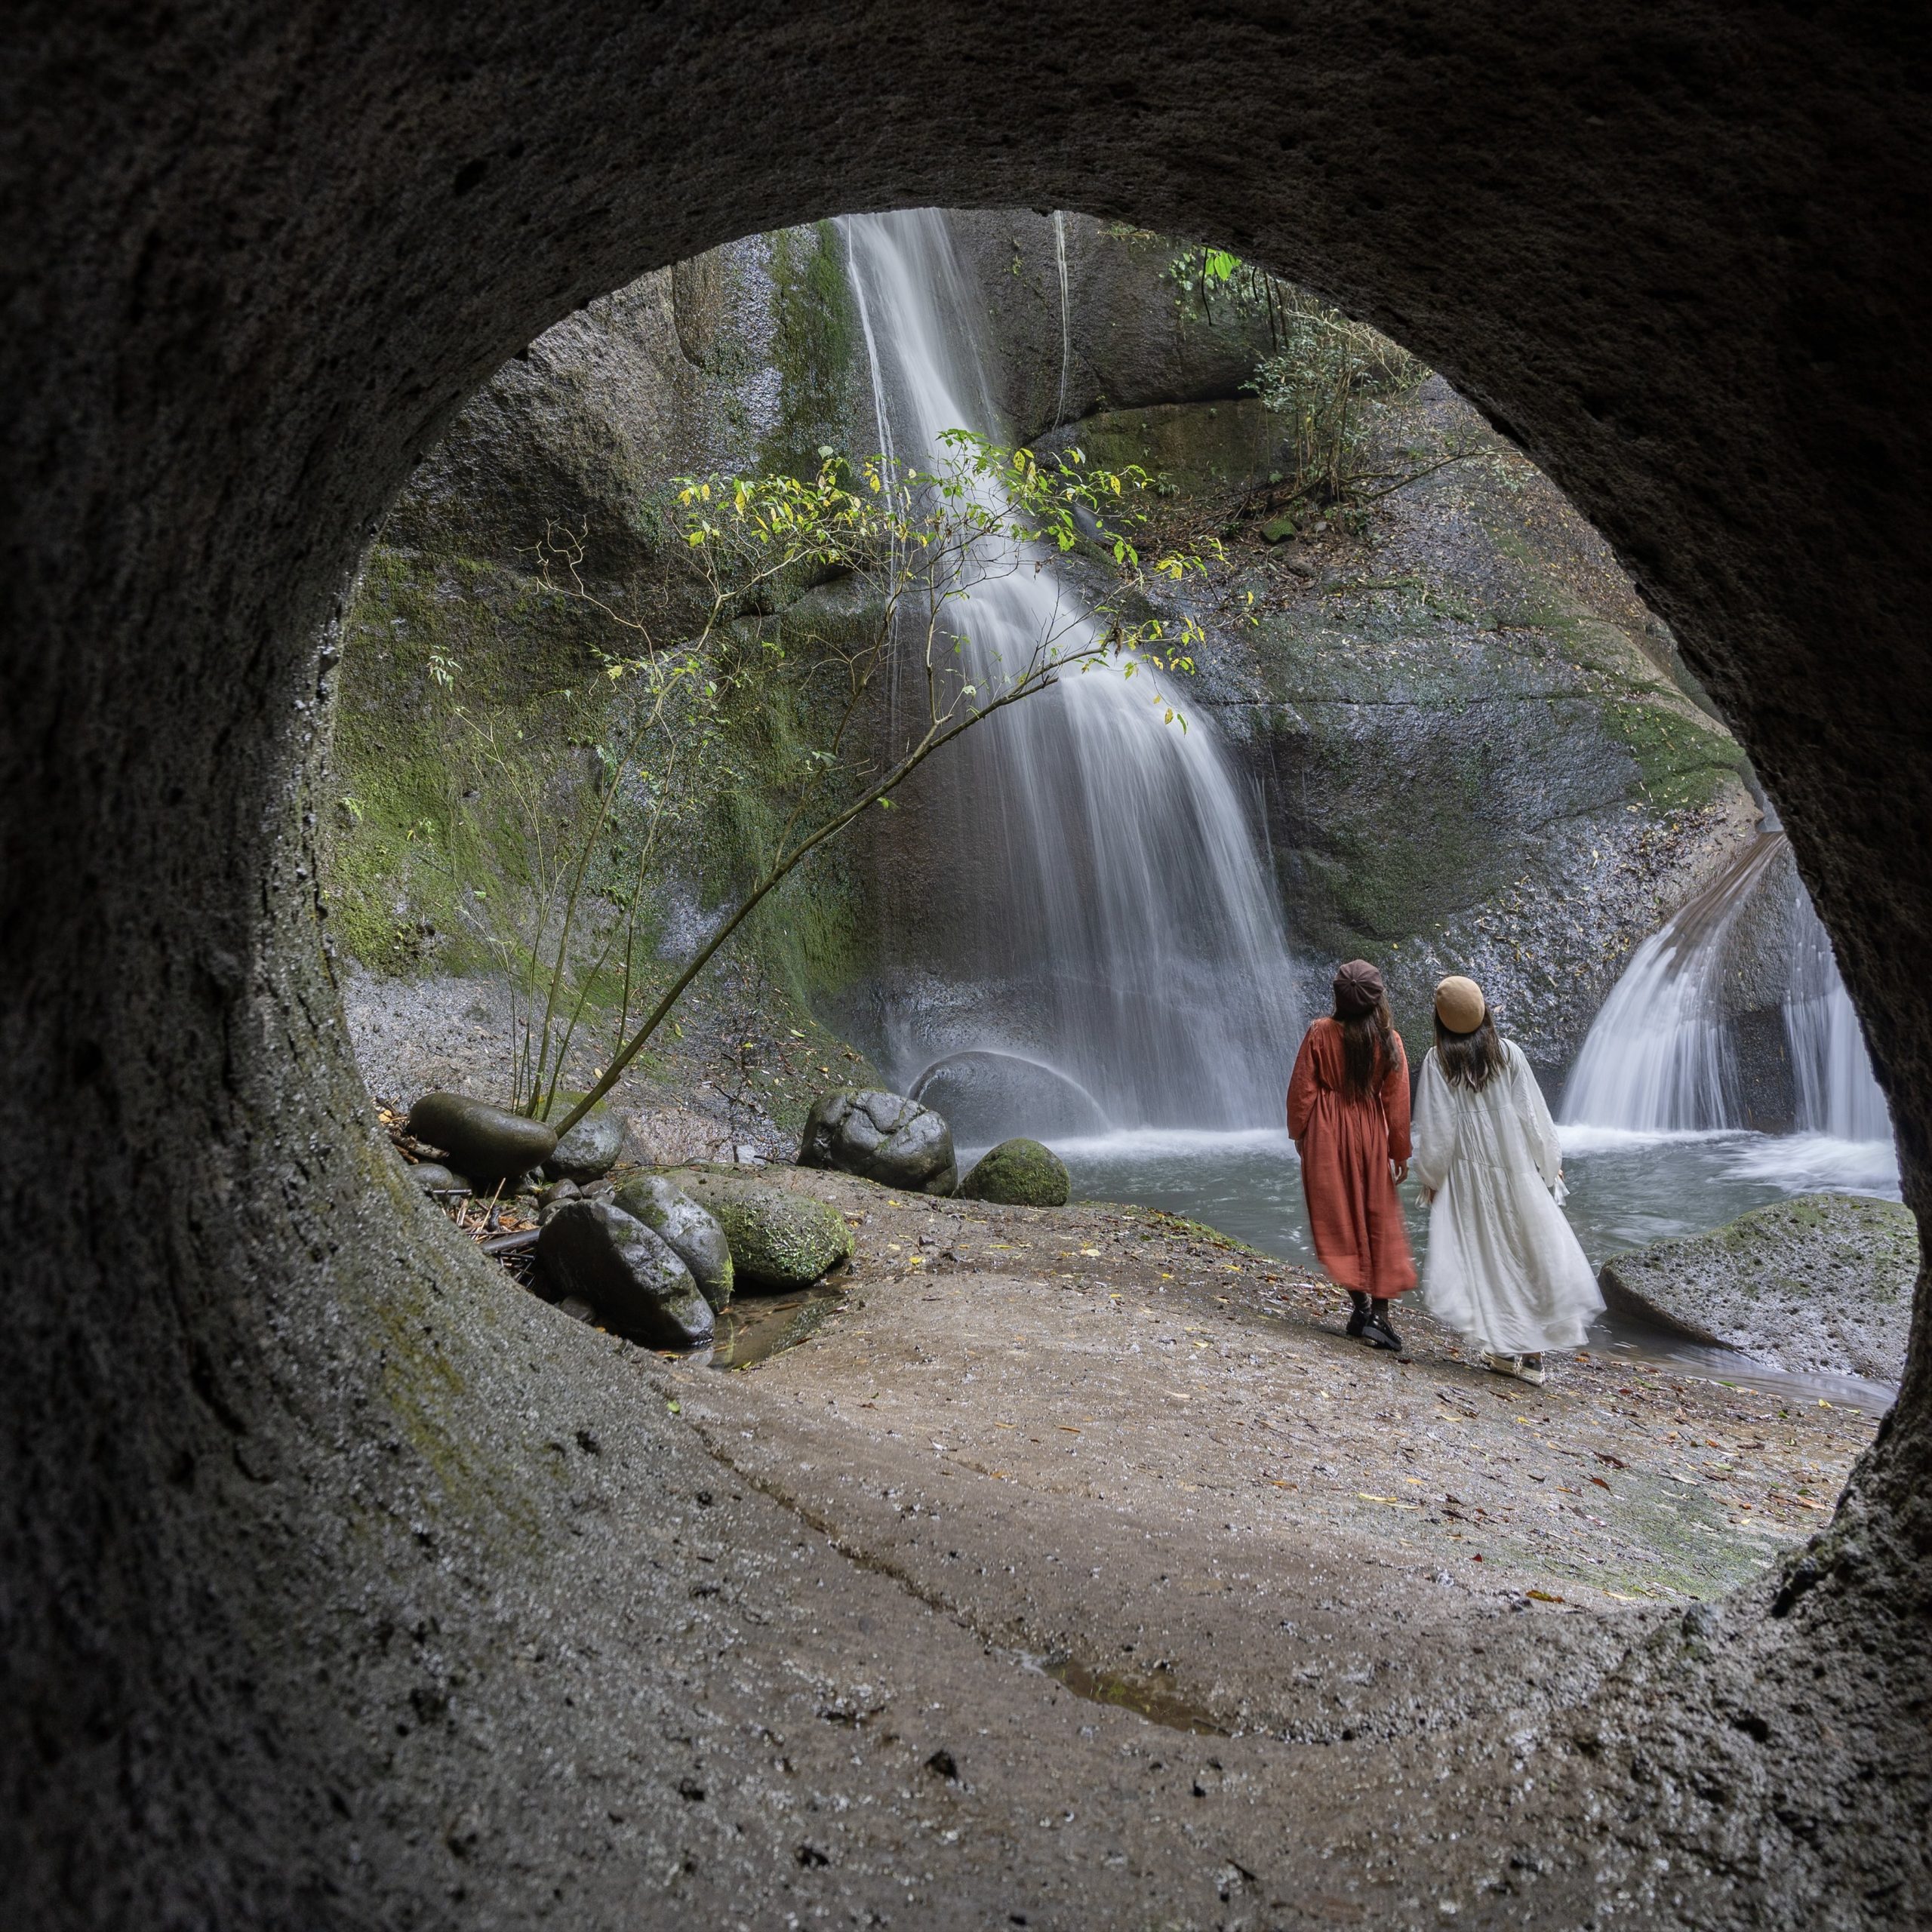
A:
[921, 543]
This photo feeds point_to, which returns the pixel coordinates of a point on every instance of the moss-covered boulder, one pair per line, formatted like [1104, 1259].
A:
[779, 1240]
[691, 1231]
[1820, 1284]
[1019, 1173]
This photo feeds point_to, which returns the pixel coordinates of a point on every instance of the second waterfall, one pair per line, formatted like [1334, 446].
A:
[1101, 947]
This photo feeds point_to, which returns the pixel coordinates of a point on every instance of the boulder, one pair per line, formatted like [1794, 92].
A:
[595, 1253]
[779, 1240]
[689, 1231]
[1820, 1284]
[884, 1137]
[591, 1148]
[1019, 1173]
[488, 1143]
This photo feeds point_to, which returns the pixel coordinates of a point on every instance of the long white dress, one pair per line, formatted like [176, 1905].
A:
[1504, 1269]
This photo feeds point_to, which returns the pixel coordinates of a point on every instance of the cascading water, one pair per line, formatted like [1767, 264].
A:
[1837, 1094]
[1661, 1056]
[1111, 927]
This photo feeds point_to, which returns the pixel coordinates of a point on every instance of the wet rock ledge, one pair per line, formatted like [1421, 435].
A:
[1821, 1285]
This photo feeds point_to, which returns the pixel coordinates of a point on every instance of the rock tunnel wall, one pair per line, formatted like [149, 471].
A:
[285, 1476]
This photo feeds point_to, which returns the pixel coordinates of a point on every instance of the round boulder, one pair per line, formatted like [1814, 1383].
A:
[433, 1178]
[487, 1142]
[591, 1148]
[595, 1253]
[779, 1240]
[692, 1234]
[1019, 1173]
[883, 1137]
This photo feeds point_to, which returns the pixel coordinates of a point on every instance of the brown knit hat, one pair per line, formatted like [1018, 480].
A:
[1358, 990]
[1460, 1004]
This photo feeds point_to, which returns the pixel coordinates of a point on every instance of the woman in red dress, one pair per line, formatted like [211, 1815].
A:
[1349, 1117]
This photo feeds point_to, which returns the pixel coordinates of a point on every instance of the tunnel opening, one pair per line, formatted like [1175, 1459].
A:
[301, 1603]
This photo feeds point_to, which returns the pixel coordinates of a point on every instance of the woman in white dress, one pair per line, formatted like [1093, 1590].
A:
[1503, 1269]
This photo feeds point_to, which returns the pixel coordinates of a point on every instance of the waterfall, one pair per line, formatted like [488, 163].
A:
[1837, 1094]
[1661, 1057]
[1108, 924]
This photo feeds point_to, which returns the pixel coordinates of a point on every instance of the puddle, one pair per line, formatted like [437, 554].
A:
[761, 1326]
[1128, 1693]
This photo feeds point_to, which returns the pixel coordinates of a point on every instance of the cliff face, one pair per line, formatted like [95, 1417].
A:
[1468, 748]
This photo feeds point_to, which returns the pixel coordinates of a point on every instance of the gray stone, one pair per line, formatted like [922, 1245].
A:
[1019, 1173]
[691, 1233]
[590, 1149]
[432, 1177]
[884, 1137]
[486, 1142]
[778, 1239]
[599, 1254]
[1821, 1285]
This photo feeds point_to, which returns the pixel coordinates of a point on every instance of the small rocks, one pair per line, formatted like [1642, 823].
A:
[1019, 1173]
[778, 1240]
[591, 1148]
[488, 1142]
[883, 1137]
[433, 1178]
[593, 1252]
[691, 1233]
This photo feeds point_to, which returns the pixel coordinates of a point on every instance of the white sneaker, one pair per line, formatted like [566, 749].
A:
[1524, 1368]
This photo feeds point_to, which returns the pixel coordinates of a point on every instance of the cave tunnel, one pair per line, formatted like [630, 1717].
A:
[335, 1590]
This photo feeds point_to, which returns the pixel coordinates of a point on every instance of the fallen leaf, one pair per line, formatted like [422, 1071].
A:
[1542, 1596]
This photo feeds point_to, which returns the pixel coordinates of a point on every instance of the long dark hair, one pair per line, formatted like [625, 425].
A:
[1469, 1059]
[1368, 1050]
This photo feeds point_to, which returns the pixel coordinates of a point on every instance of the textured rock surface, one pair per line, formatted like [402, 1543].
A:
[483, 1139]
[590, 1149]
[884, 1137]
[1021, 1173]
[778, 1239]
[690, 1232]
[1679, 255]
[1822, 1284]
[598, 1253]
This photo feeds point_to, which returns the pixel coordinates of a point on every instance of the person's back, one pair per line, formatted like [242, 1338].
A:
[1504, 1269]
[1348, 1108]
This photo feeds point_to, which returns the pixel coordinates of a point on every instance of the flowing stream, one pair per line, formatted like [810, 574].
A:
[1112, 954]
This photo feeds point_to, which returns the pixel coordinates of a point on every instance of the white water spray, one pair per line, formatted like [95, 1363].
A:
[1112, 919]
[1066, 316]
[1660, 1057]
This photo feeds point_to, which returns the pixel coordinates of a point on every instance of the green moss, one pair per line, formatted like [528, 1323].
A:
[815, 337]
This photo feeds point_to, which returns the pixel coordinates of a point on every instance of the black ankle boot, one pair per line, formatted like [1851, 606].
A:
[1379, 1331]
[1359, 1321]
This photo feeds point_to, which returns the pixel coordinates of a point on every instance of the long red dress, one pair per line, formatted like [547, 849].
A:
[1346, 1147]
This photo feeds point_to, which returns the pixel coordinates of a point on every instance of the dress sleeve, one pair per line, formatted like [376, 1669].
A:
[1435, 1125]
[1301, 1090]
[1547, 1148]
[1395, 1103]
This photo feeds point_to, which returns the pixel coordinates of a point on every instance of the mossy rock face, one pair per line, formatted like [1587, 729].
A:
[778, 1240]
[1820, 1285]
[691, 1231]
[1019, 1173]
[883, 1137]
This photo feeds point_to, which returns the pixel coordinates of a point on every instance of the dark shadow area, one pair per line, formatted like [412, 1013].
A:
[345, 1585]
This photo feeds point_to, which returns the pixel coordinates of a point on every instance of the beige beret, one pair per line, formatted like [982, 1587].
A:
[1460, 1004]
